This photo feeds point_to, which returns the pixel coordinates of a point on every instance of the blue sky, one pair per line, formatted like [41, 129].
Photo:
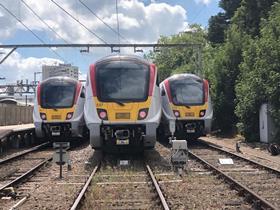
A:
[138, 23]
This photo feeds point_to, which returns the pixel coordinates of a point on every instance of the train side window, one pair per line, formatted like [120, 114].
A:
[87, 82]
[157, 81]
[163, 92]
[83, 93]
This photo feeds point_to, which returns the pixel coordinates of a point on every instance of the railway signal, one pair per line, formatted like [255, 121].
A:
[61, 156]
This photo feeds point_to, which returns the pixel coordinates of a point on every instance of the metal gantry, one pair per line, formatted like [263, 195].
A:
[113, 47]
[19, 88]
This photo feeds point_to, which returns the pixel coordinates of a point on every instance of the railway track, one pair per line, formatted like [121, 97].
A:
[198, 188]
[25, 152]
[260, 184]
[120, 187]
[16, 168]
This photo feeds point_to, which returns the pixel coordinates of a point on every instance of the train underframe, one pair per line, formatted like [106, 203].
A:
[60, 131]
[123, 137]
[185, 129]
[57, 130]
[189, 129]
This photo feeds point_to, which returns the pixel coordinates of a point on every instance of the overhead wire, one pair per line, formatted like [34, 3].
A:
[44, 22]
[118, 25]
[83, 25]
[106, 24]
[34, 34]
[196, 16]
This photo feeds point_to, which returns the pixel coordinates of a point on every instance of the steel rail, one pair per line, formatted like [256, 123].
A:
[159, 192]
[26, 174]
[276, 171]
[239, 187]
[3, 161]
[81, 195]
[98, 45]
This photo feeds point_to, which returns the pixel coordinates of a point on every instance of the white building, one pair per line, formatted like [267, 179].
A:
[60, 70]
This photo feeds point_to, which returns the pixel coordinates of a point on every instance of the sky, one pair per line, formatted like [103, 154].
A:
[140, 21]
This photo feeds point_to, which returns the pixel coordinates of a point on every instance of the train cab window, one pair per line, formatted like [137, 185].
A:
[187, 92]
[57, 95]
[124, 81]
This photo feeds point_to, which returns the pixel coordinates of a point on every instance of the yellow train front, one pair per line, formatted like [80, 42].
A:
[185, 101]
[122, 108]
[58, 109]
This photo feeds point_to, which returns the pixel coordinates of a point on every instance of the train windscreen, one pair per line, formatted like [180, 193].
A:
[122, 81]
[187, 91]
[58, 94]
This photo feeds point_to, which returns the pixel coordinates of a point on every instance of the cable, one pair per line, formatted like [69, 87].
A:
[118, 26]
[30, 30]
[89, 30]
[116, 32]
[196, 16]
[43, 21]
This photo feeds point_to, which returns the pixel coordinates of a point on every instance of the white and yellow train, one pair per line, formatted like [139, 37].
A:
[187, 102]
[123, 107]
[58, 109]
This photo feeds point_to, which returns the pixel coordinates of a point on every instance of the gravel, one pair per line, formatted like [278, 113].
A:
[198, 188]
[46, 191]
[262, 181]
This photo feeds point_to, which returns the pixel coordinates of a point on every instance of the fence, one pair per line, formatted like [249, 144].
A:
[14, 115]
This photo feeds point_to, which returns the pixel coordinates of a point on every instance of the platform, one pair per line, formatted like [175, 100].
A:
[8, 130]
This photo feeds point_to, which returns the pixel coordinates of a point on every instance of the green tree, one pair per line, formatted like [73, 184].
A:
[217, 27]
[229, 6]
[259, 81]
[225, 69]
[177, 60]
[218, 24]
[250, 13]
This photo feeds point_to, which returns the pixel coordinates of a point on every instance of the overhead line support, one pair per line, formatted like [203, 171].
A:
[97, 45]
[3, 59]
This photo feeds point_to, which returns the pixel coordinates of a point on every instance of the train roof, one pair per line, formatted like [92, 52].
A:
[59, 78]
[120, 57]
[183, 75]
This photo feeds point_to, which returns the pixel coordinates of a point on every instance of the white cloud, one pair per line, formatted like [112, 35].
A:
[203, 1]
[16, 67]
[138, 22]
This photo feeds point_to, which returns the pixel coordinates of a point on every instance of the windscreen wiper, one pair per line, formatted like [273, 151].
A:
[118, 102]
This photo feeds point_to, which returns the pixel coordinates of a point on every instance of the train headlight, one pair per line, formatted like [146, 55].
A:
[69, 115]
[176, 113]
[43, 116]
[142, 114]
[202, 113]
[102, 113]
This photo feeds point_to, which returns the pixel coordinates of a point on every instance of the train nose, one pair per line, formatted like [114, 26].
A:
[122, 134]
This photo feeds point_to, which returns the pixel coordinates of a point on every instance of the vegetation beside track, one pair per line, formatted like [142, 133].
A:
[240, 58]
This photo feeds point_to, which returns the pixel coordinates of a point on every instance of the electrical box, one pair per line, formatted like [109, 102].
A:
[267, 127]
[179, 154]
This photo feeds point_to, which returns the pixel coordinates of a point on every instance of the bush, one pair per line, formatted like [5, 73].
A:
[259, 81]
